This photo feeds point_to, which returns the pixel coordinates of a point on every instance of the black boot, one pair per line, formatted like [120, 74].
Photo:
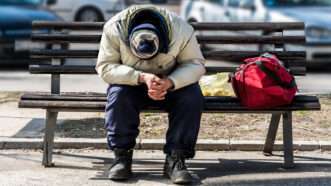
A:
[175, 168]
[121, 168]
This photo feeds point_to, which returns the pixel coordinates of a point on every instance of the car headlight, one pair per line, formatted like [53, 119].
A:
[316, 32]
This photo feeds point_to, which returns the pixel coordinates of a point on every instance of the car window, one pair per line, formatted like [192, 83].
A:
[20, 2]
[234, 3]
[277, 3]
[220, 2]
[246, 3]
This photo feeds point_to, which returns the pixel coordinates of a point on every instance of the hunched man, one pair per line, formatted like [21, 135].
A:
[150, 56]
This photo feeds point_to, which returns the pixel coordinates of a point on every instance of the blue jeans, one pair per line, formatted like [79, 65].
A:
[184, 108]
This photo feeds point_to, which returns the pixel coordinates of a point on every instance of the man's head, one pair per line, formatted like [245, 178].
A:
[144, 41]
[148, 34]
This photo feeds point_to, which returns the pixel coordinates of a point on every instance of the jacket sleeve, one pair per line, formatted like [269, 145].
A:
[191, 65]
[109, 66]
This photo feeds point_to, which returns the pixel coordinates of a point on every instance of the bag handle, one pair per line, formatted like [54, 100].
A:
[271, 74]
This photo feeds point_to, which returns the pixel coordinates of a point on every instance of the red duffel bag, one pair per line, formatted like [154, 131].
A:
[263, 82]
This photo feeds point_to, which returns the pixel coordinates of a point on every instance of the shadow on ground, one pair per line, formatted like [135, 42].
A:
[68, 128]
[223, 171]
[209, 168]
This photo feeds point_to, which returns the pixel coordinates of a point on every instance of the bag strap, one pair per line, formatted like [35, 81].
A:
[271, 74]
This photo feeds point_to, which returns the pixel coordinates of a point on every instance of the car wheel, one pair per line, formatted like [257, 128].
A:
[89, 15]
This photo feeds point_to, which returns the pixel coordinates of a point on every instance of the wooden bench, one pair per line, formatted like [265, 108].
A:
[62, 34]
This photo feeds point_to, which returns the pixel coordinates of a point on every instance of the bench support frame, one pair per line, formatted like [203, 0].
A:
[48, 145]
[288, 140]
[271, 136]
[50, 123]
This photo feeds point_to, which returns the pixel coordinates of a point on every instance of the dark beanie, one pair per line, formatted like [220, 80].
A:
[146, 46]
[144, 41]
[154, 21]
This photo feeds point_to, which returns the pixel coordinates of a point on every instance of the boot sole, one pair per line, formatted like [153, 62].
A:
[120, 177]
[177, 181]
[181, 182]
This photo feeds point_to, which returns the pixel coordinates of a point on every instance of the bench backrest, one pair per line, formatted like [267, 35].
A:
[61, 35]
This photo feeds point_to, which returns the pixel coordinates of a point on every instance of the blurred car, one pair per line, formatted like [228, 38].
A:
[315, 13]
[16, 17]
[87, 10]
[153, 1]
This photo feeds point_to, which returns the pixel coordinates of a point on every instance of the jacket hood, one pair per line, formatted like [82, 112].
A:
[128, 15]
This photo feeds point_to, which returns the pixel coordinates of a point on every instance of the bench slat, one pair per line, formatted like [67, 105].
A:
[275, 26]
[80, 69]
[57, 53]
[211, 55]
[74, 96]
[251, 39]
[213, 104]
[240, 55]
[59, 25]
[64, 38]
[67, 69]
[270, 27]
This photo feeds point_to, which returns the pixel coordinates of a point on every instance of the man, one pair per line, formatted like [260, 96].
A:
[149, 56]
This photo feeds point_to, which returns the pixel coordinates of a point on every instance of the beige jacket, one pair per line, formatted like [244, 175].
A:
[183, 64]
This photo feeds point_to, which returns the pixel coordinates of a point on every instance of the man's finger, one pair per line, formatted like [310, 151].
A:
[163, 93]
[156, 79]
[157, 98]
[158, 88]
[162, 82]
[157, 94]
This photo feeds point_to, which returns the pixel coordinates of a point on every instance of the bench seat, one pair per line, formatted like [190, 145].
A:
[96, 102]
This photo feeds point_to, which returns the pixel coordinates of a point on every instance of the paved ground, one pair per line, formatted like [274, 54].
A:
[89, 167]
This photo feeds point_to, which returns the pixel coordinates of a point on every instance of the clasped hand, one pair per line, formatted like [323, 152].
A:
[157, 87]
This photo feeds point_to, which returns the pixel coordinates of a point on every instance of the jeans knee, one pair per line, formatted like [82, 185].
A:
[191, 97]
[122, 107]
[118, 95]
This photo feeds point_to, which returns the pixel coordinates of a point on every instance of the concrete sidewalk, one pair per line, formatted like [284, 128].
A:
[89, 167]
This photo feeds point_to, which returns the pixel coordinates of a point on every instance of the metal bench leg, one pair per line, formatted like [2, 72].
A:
[288, 140]
[49, 138]
[271, 136]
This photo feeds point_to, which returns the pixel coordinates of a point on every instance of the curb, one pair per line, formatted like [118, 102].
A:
[157, 144]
